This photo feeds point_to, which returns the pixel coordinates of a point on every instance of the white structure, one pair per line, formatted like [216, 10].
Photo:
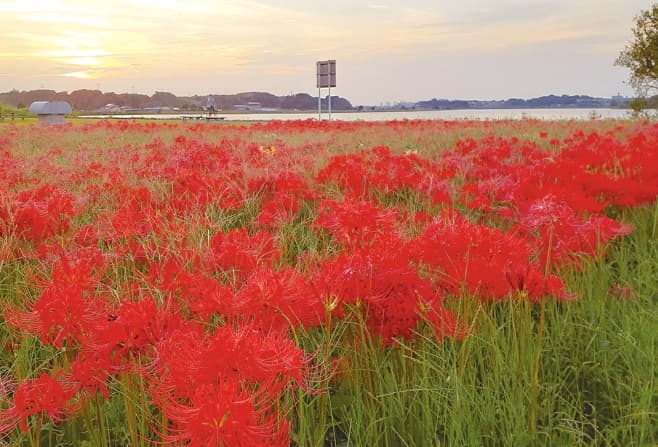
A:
[326, 78]
[52, 112]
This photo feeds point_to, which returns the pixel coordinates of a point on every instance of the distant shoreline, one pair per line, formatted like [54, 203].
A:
[386, 115]
[96, 101]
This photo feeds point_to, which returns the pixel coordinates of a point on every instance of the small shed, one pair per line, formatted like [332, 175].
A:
[52, 112]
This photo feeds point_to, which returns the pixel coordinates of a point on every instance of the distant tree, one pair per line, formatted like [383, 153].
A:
[165, 99]
[85, 99]
[640, 55]
[637, 105]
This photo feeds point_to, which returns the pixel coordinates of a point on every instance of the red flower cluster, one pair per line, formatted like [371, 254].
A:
[36, 214]
[43, 396]
[186, 260]
[483, 261]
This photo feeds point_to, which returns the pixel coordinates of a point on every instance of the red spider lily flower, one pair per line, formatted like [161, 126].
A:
[513, 173]
[90, 371]
[561, 178]
[536, 285]
[563, 236]
[197, 292]
[379, 169]
[347, 171]
[480, 260]
[187, 358]
[201, 173]
[269, 359]
[193, 189]
[381, 281]
[135, 327]
[238, 253]
[11, 166]
[355, 222]
[624, 172]
[278, 300]
[278, 182]
[220, 388]
[177, 364]
[282, 207]
[137, 215]
[44, 395]
[224, 414]
[67, 308]
[40, 213]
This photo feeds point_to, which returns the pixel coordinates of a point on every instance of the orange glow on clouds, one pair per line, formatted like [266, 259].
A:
[78, 75]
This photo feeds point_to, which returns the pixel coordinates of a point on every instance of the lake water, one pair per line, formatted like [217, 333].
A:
[470, 114]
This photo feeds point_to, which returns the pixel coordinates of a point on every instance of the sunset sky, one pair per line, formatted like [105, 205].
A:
[386, 51]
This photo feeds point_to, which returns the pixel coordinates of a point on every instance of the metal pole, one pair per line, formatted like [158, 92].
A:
[329, 97]
[319, 106]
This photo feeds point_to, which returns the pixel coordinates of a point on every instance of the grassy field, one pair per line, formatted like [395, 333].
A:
[304, 283]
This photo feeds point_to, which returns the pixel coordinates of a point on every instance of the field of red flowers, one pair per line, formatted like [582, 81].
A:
[236, 285]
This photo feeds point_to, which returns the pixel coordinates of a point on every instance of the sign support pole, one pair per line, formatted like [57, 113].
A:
[326, 78]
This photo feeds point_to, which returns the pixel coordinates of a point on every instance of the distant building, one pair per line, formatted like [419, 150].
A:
[110, 108]
[248, 106]
[51, 112]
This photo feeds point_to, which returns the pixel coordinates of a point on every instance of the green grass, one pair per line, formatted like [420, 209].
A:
[597, 379]
[8, 113]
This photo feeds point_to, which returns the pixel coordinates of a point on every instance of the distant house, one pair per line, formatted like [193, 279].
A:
[248, 106]
[52, 112]
[110, 108]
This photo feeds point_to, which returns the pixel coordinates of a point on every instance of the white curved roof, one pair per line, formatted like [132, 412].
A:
[51, 108]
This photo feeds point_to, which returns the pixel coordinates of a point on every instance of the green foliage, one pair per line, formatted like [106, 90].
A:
[638, 106]
[640, 55]
[8, 112]
[596, 379]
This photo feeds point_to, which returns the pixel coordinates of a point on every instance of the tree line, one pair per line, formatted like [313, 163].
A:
[93, 100]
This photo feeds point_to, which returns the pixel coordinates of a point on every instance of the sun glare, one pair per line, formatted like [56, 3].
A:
[80, 52]
[88, 61]
[78, 75]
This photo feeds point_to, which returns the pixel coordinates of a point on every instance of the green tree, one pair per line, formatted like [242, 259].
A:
[640, 55]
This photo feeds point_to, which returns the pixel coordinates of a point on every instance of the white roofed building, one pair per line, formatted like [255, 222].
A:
[52, 112]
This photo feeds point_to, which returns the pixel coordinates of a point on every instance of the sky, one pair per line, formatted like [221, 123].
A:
[386, 51]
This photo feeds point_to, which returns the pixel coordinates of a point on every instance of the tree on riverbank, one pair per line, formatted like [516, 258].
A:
[640, 55]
